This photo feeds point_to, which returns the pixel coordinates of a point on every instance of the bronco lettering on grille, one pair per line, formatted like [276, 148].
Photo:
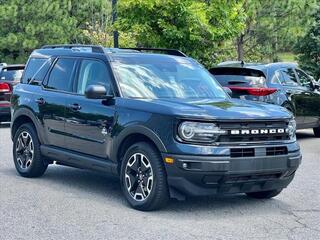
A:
[258, 131]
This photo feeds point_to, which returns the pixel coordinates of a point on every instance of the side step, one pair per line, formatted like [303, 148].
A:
[79, 160]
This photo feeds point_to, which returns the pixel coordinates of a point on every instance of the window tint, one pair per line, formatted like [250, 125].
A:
[32, 68]
[92, 73]
[303, 77]
[276, 79]
[11, 74]
[289, 77]
[61, 75]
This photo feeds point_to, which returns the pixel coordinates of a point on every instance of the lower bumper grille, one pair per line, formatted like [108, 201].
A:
[251, 152]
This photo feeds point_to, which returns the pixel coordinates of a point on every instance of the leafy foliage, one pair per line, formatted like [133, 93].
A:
[195, 27]
[27, 24]
[308, 48]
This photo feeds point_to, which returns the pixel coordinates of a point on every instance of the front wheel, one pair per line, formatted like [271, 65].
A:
[143, 178]
[264, 194]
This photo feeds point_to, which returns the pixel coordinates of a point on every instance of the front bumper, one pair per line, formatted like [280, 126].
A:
[197, 175]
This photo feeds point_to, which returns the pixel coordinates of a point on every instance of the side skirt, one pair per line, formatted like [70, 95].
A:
[79, 160]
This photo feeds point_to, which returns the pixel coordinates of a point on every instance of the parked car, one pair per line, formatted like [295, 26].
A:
[10, 75]
[283, 84]
[160, 122]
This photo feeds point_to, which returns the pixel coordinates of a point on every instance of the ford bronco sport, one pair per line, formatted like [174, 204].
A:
[158, 121]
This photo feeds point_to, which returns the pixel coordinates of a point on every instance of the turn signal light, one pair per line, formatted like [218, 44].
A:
[169, 160]
[254, 91]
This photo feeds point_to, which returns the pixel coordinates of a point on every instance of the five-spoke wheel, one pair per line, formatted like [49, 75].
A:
[139, 176]
[26, 152]
[143, 177]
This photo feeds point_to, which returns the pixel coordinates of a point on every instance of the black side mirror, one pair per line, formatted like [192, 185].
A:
[228, 91]
[97, 92]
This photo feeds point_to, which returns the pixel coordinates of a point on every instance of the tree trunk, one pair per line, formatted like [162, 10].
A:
[240, 44]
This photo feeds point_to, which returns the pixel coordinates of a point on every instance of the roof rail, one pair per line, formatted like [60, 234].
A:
[174, 52]
[95, 48]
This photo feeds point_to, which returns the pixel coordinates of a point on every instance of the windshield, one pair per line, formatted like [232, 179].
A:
[156, 78]
[10, 74]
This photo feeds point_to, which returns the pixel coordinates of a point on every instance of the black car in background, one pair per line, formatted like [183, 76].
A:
[283, 84]
[10, 75]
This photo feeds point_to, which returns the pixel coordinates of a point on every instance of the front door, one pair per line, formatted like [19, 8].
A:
[89, 121]
[311, 100]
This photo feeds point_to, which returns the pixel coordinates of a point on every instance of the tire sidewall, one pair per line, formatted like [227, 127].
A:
[150, 154]
[36, 157]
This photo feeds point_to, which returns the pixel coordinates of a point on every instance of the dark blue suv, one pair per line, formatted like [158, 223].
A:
[158, 121]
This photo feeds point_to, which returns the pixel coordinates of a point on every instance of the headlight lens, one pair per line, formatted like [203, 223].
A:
[292, 127]
[199, 132]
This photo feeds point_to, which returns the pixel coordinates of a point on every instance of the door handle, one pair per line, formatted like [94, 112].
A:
[75, 107]
[40, 101]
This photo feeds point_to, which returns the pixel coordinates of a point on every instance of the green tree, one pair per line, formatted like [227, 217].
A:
[272, 26]
[28, 24]
[308, 48]
[199, 28]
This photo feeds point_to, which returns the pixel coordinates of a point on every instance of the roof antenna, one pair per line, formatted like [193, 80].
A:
[242, 63]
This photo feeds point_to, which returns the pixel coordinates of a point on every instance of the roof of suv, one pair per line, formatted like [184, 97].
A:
[82, 50]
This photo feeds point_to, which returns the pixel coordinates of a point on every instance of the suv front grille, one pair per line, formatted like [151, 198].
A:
[254, 131]
[242, 152]
[274, 151]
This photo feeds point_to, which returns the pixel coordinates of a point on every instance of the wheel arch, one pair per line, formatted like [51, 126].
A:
[22, 116]
[133, 135]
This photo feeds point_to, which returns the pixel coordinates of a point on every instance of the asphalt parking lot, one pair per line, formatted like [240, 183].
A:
[69, 204]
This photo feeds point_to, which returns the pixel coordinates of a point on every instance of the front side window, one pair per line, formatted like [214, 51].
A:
[157, 78]
[289, 77]
[303, 77]
[61, 74]
[93, 72]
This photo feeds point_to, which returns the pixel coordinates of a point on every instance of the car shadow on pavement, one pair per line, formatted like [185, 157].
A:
[4, 125]
[106, 190]
[304, 135]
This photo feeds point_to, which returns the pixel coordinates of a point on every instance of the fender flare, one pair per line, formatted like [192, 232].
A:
[24, 111]
[136, 129]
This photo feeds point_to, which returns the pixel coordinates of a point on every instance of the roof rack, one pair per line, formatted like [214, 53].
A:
[95, 48]
[174, 52]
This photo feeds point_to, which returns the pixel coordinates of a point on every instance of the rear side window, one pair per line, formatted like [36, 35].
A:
[35, 66]
[289, 77]
[60, 77]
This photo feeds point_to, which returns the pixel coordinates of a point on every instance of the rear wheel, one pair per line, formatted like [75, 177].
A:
[316, 131]
[26, 152]
[264, 194]
[143, 178]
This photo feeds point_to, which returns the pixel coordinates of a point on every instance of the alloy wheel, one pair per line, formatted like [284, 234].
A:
[24, 150]
[139, 177]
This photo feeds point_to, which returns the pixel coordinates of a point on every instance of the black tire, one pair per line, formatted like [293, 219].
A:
[35, 167]
[265, 194]
[316, 132]
[158, 195]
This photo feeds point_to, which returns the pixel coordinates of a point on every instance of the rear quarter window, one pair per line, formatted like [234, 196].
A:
[36, 70]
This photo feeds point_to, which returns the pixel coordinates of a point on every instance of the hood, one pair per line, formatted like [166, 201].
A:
[228, 109]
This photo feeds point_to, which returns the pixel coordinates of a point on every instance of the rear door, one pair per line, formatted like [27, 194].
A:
[311, 100]
[89, 121]
[57, 87]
